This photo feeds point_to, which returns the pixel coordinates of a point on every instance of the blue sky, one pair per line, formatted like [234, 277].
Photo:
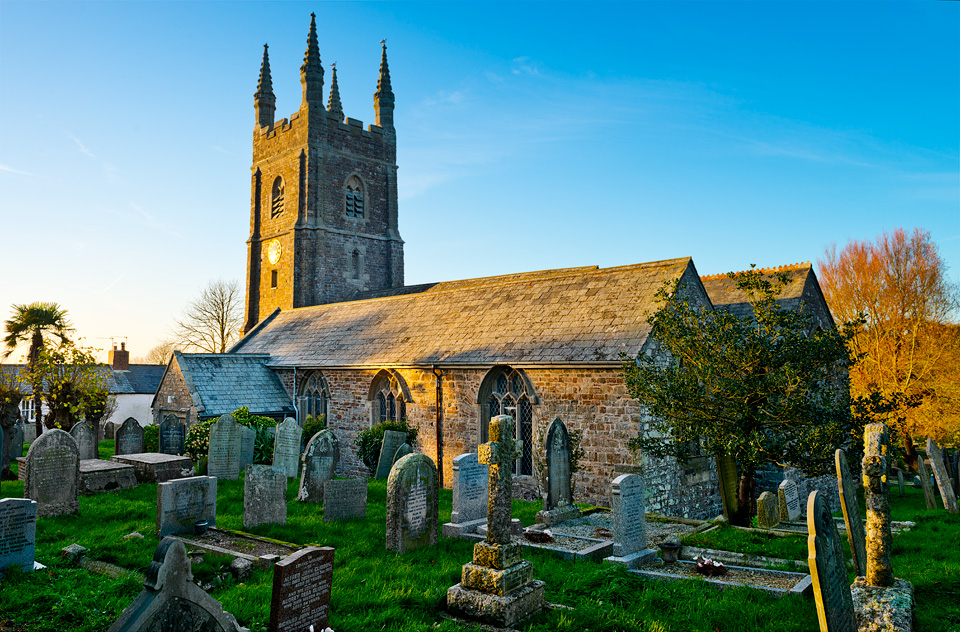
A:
[531, 135]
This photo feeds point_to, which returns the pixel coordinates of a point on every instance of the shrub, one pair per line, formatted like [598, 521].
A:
[197, 443]
[313, 425]
[244, 418]
[263, 447]
[151, 438]
[370, 441]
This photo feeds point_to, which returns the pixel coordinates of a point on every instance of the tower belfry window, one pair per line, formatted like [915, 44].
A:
[354, 197]
[355, 263]
[276, 198]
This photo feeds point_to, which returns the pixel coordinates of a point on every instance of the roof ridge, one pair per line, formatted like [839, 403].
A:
[784, 268]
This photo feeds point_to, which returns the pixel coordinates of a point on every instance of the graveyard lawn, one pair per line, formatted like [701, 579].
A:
[374, 589]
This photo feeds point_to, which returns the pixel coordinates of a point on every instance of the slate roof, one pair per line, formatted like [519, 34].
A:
[221, 383]
[583, 315]
[140, 378]
[724, 294]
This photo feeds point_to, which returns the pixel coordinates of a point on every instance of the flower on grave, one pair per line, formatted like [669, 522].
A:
[708, 567]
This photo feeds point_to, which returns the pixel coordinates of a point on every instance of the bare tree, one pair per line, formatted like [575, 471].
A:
[211, 323]
[159, 354]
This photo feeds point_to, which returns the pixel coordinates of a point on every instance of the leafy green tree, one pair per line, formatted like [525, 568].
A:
[763, 388]
[74, 384]
[37, 322]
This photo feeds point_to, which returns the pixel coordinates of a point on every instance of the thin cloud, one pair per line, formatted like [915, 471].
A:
[83, 148]
[525, 66]
[112, 283]
[8, 169]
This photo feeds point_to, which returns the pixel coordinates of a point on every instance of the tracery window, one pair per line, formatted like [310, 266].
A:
[388, 402]
[276, 198]
[504, 392]
[354, 197]
[27, 412]
[314, 396]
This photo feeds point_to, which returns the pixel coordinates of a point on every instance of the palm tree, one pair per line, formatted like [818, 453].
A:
[36, 322]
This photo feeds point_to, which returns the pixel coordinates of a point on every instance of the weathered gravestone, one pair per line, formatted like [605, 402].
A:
[344, 499]
[319, 463]
[86, 440]
[768, 511]
[850, 505]
[828, 569]
[171, 602]
[928, 496]
[900, 481]
[629, 522]
[412, 504]
[789, 498]
[956, 471]
[184, 502]
[943, 477]
[15, 438]
[286, 447]
[879, 537]
[129, 438]
[392, 440]
[558, 500]
[18, 533]
[470, 496]
[53, 474]
[301, 591]
[172, 435]
[498, 585]
[248, 444]
[223, 455]
[264, 496]
[402, 451]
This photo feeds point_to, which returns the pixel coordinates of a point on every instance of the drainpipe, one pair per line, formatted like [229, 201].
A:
[293, 399]
[439, 403]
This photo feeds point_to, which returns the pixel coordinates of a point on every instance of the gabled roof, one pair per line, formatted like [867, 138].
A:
[140, 379]
[569, 316]
[220, 383]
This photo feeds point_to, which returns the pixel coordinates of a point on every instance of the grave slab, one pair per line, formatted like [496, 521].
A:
[223, 452]
[828, 569]
[392, 440]
[924, 475]
[944, 483]
[470, 496]
[319, 461]
[344, 499]
[53, 474]
[128, 439]
[181, 503]
[86, 440]
[264, 496]
[629, 522]
[301, 591]
[286, 447]
[558, 503]
[153, 467]
[412, 504]
[789, 500]
[768, 511]
[850, 505]
[18, 533]
[172, 435]
[97, 476]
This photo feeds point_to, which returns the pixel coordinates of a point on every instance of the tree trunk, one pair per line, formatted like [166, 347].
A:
[745, 499]
[36, 344]
[911, 450]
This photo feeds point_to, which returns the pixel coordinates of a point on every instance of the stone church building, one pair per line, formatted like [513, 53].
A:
[331, 329]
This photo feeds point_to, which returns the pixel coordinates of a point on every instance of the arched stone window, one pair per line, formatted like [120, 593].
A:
[505, 391]
[314, 397]
[388, 400]
[354, 197]
[276, 198]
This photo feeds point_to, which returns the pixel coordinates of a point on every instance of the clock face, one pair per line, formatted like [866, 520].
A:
[274, 250]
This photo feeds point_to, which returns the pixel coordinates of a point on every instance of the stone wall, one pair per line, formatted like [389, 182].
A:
[173, 396]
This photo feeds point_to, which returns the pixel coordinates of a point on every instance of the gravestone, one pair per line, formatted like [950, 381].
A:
[558, 500]
[943, 477]
[789, 498]
[828, 569]
[264, 496]
[768, 511]
[181, 503]
[129, 438]
[392, 440]
[879, 537]
[850, 505]
[286, 447]
[319, 463]
[412, 503]
[86, 440]
[18, 533]
[301, 590]
[470, 496]
[223, 454]
[344, 499]
[172, 436]
[629, 522]
[497, 586]
[402, 451]
[11, 446]
[53, 474]
[900, 481]
[956, 471]
[928, 496]
[171, 601]
[16, 442]
[248, 443]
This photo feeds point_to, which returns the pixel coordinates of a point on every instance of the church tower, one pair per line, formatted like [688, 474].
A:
[323, 210]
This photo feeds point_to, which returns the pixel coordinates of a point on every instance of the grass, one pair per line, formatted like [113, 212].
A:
[377, 590]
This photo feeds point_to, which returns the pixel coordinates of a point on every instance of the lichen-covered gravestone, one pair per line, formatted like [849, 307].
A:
[320, 460]
[412, 504]
[86, 440]
[470, 496]
[18, 533]
[183, 502]
[248, 443]
[223, 454]
[789, 498]
[286, 447]
[344, 499]
[879, 536]
[558, 500]
[768, 511]
[850, 505]
[264, 496]
[53, 474]
[942, 476]
[129, 438]
[392, 440]
[301, 590]
[828, 569]
[629, 522]
[172, 435]
[171, 601]
[928, 496]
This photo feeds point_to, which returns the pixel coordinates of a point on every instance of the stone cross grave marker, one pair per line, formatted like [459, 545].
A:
[172, 436]
[248, 443]
[171, 601]
[629, 522]
[789, 498]
[828, 569]
[412, 504]
[928, 496]
[18, 533]
[392, 440]
[558, 500]
[286, 447]
[879, 536]
[850, 505]
[301, 591]
[943, 478]
[768, 511]
[344, 499]
[184, 501]
[86, 440]
[470, 495]
[264, 496]
[53, 474]
[319, 463]
[223, 454]
[129, 438]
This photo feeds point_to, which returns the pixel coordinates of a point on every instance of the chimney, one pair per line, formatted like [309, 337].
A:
[119, 359]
